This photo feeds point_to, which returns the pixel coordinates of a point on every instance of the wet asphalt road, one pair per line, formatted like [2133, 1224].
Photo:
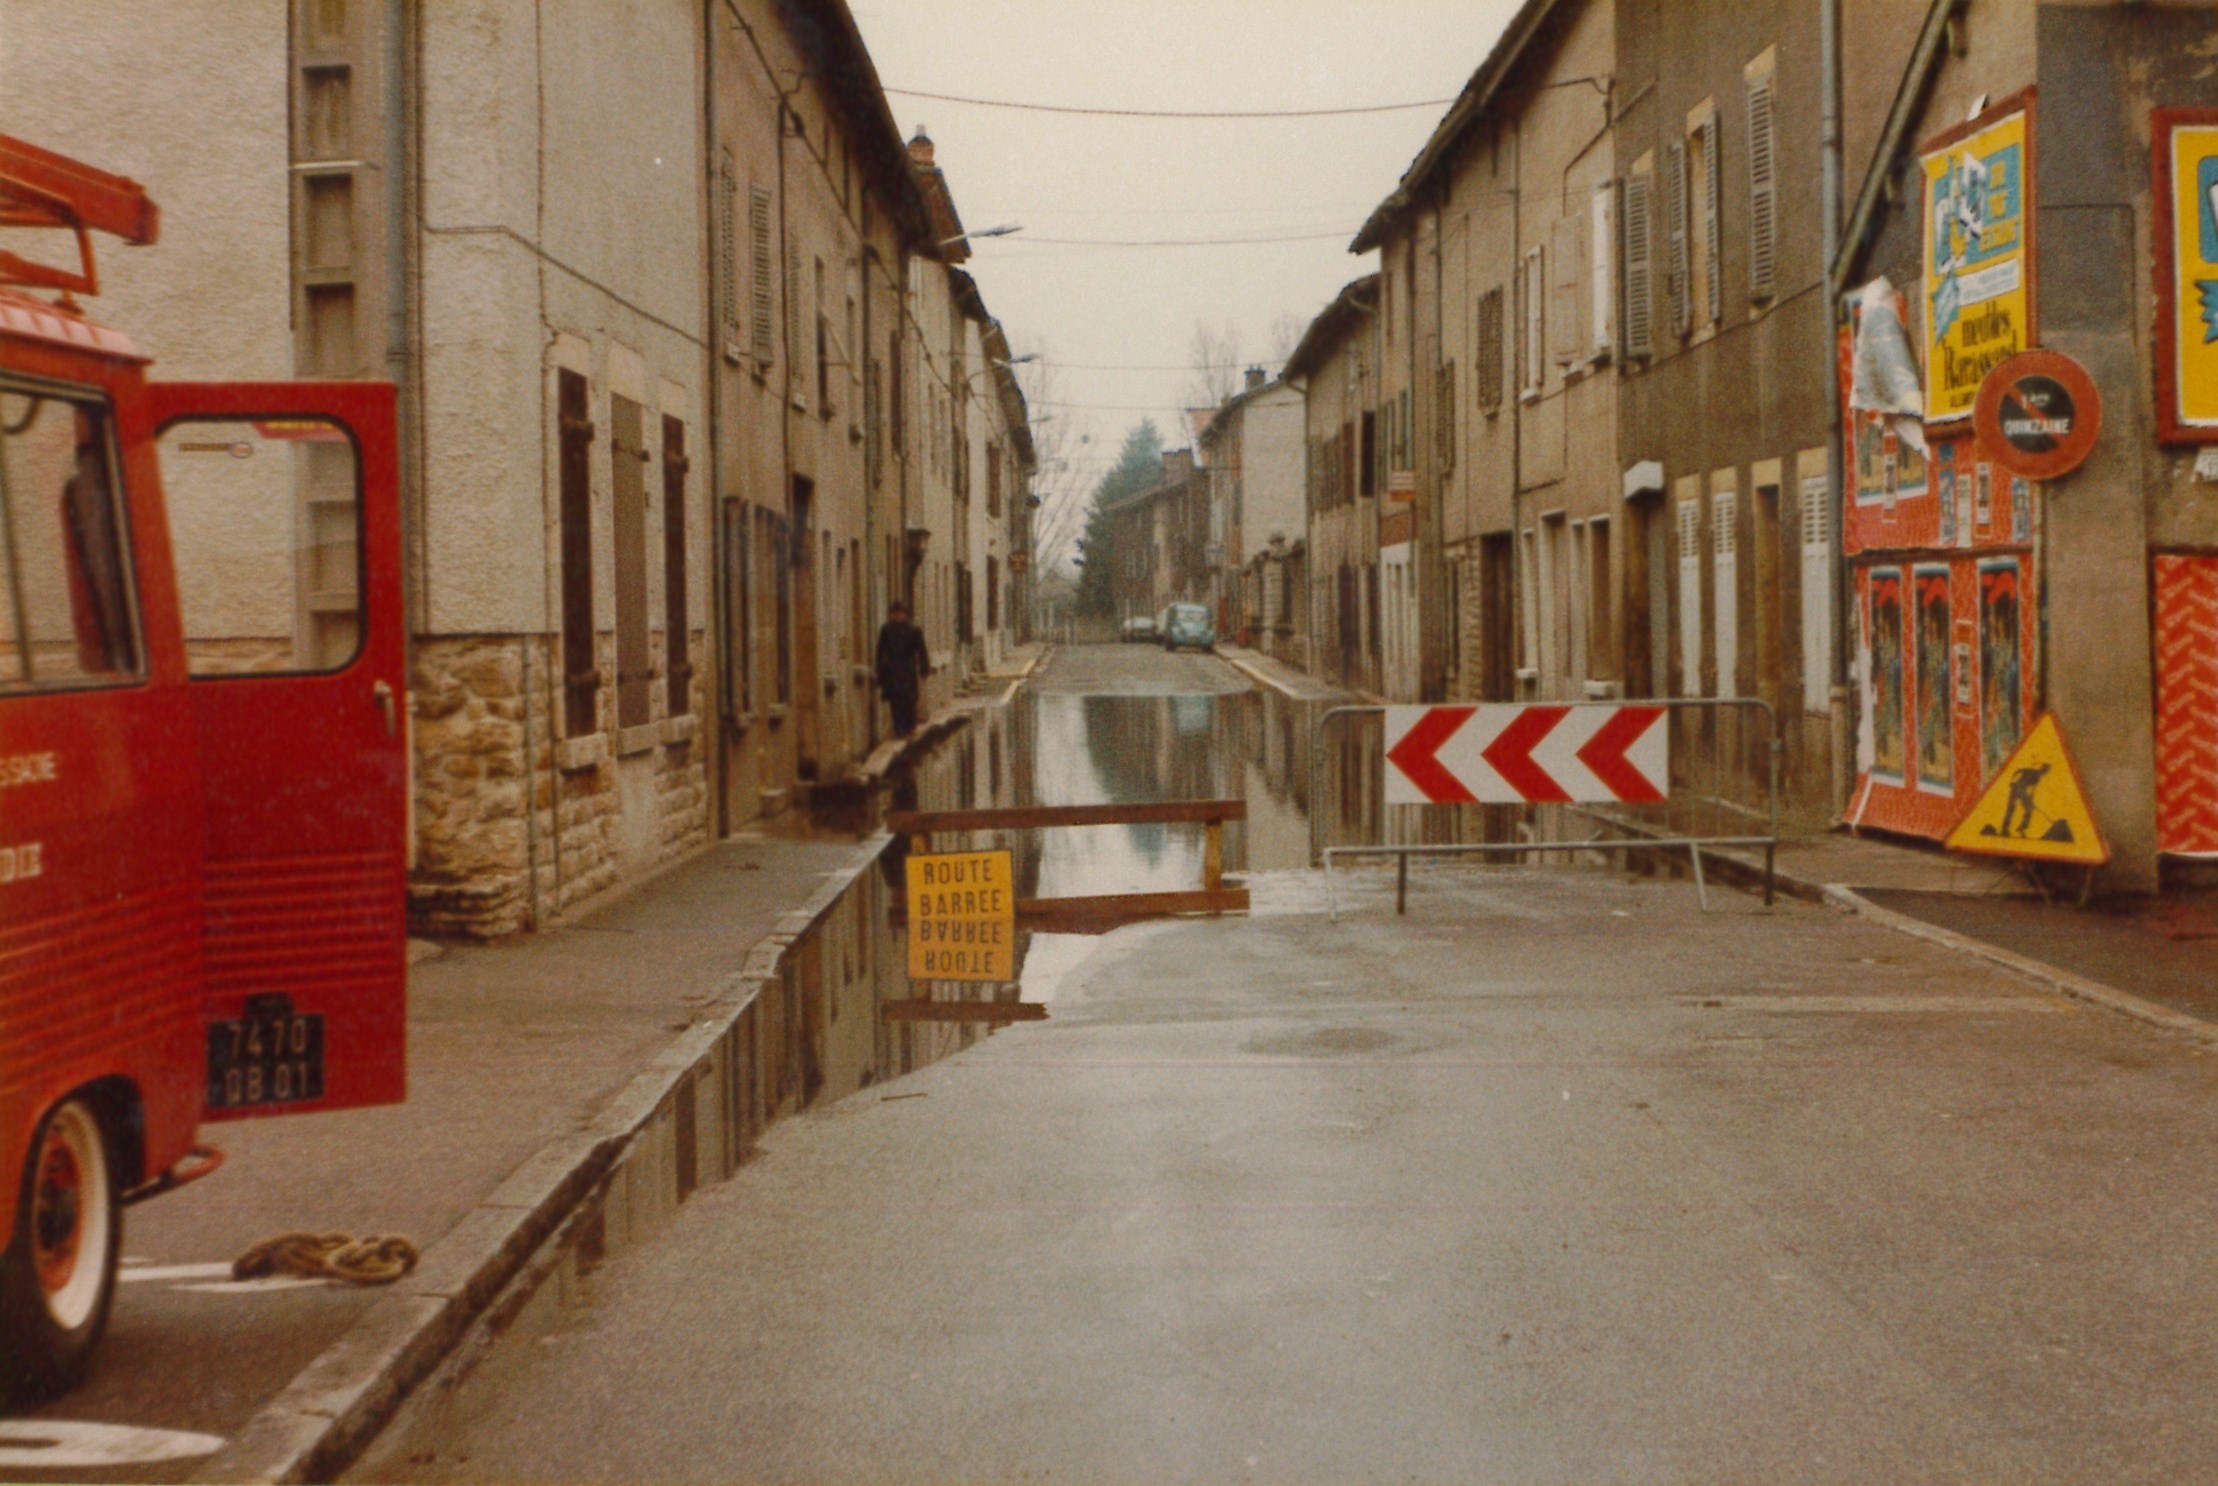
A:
[1558, 1180]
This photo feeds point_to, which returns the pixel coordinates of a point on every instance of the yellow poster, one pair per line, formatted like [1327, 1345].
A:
[2195, 274]
[962, 916]
[1977, 298]
[2034, 807]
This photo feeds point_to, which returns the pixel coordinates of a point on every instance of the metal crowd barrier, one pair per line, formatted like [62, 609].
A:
[1663, 827]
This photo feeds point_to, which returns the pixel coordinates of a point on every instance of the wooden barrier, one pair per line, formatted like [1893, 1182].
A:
[1095, 915]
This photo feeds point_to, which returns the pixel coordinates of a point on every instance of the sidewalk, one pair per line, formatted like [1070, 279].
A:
[2153, 959]
[1293, 684]
[538, 1067]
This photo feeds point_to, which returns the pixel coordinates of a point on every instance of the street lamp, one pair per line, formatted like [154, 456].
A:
[962, 237]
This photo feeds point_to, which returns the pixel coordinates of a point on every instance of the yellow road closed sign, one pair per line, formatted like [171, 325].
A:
[962, 916]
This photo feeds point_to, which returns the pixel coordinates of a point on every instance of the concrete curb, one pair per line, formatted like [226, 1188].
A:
[558, 1215]
[1262, 677]
[2078, 987]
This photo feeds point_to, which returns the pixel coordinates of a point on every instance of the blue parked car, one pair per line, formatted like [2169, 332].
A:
[1187, 624]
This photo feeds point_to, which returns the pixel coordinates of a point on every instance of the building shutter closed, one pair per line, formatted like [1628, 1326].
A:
[1817, 592]
[760, 268]
[1763, 191]
[1564, 252]
[1640, 283]
[1489, 373]
[1676, 288]
[1725, 559]
[1713, 307]
[1689, 513]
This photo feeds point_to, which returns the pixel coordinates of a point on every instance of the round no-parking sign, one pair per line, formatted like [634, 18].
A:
[2038, 414]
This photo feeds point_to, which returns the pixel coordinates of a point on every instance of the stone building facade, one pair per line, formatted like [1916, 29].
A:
[646, 277]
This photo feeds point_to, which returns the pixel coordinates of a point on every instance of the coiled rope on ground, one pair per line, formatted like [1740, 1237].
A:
[378, 1260]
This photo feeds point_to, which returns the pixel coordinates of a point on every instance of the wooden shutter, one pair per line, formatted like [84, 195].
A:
[1817, 593]
[581, 671]
[677, 639]
[1489, 373]
[1444, 416]
[1639, 273]
[628, 489]
[1713, 280]
[727, 258]
[1763, 191]
[1676, 288]
[1599, 276]
[1564, 254]
[761, 266]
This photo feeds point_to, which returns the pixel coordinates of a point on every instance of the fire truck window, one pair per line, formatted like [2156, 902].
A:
[67, 611]
[266, 517]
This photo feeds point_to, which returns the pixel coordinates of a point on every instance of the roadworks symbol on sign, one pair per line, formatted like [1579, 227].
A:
[2035, 807]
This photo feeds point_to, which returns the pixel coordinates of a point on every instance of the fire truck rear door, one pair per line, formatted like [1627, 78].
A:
[284, 512]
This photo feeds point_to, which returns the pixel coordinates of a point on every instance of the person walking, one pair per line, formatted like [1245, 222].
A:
[903, 663]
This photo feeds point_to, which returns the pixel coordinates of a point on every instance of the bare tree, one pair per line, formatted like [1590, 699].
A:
[1214, 355]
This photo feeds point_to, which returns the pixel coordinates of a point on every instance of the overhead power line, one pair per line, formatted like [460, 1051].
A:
[1174, 113]
[1183, 242]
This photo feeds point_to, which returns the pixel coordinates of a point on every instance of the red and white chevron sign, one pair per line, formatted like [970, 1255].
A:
[1518, 754]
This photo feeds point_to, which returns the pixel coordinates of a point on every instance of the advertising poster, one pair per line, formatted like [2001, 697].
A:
[1888, 759]
[1936, 745]
[2187, 274]
[1977, 297]
[2001, 701]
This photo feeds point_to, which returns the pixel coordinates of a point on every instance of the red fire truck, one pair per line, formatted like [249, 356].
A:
[203, 764]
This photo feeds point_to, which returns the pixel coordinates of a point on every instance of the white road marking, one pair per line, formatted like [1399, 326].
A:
[257, 1287]
[41, 1445]
[154, 1273]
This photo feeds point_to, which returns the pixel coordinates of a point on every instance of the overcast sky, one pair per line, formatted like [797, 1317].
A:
[1086, 310]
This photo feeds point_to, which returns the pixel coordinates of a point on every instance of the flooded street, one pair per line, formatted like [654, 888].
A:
[1126, 724]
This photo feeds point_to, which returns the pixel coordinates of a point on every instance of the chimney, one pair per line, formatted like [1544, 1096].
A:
[1256, 378]
[920, 149]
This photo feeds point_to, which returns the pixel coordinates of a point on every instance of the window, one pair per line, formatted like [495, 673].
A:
[1706, 284]
[727, 257]
[265, 519]
[1533, 296]
[68, 612]
[762, 304]
[628, 457]
[1444, 416]
[1565, 250]
[1403, 456]
[993, 593]
[1488, 375]
[993, 479]
[1601, 282]
[739, 618]
[1344, 465]
[1601, 631]
[581, 667]
[1639, 275]
[1725, 580]
[1817, 589]
[797, 376]
[1763, 185]
[1368, 460]
[774, 581]
[1688, 514]
[1676, 267]
[823, 349]
[677, 621]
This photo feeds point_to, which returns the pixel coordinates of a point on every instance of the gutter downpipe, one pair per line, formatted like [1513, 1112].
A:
[712, 394]
[1843, 773]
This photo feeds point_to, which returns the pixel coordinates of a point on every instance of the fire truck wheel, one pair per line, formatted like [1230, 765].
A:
[59, 1273]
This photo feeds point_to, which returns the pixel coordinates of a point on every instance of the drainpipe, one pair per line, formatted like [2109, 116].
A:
[712, 394]
[1843, 772]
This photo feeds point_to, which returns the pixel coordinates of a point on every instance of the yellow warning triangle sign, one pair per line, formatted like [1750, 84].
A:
[2035, 807]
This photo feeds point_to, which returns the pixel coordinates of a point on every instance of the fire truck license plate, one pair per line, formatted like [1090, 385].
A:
[265, 1060]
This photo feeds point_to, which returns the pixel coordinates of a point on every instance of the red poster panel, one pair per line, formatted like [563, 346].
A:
[1948, 684]
[2187, 705]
